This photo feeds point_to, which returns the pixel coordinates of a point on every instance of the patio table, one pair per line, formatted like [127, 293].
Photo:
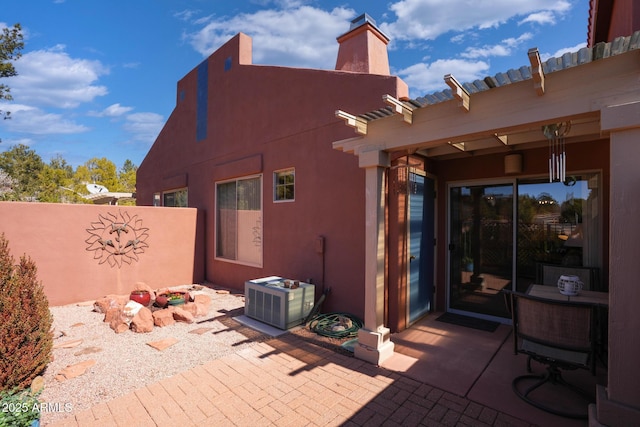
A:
[552, 292]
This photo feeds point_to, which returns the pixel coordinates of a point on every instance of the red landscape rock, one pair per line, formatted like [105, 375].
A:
[162, 344]
[142, 321]
[190, 307]
[76, 370]
[103, 304]
[202, 302]
[112, 313]
[163, 318]
[181, 315]
[118, 323]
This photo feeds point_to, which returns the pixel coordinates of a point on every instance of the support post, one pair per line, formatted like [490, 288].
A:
[374, 343]
[619, 403]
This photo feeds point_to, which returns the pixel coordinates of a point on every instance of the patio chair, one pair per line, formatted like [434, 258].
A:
[560, 335]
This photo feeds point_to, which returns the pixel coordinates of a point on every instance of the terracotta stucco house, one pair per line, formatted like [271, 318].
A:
[446, 200]
[531, 167]
[250, 146]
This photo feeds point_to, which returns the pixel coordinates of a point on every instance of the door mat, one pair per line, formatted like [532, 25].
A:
[469, 322]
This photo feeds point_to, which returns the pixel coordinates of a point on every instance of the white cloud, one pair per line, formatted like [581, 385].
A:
[52, 78]
[144, 127]
[505, 48]
[427, 78]
[7, 143]
[186, 15]
[302, 37]
[428, 19]
[560, 52]
[113, 110]
[540, 18]
[31, 120]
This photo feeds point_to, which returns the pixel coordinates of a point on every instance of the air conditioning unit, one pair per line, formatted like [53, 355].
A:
[269, 301]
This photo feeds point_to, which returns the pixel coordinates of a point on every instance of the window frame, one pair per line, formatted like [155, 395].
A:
[276, 186]
[175, 191]
[217, 219]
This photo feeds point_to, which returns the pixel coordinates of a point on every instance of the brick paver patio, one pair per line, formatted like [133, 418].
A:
[289, 381]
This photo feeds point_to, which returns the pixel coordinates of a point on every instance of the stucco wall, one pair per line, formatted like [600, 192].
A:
[163, 247]
[261, 119]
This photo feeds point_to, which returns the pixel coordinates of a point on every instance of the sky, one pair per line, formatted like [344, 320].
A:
[98, 78]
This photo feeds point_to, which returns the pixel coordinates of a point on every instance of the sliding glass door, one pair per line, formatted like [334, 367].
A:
[480, 248]
[557, 223]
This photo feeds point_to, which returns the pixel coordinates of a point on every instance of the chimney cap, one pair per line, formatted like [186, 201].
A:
[362, 20]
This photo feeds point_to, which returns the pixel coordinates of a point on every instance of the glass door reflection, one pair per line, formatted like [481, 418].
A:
[480, 248]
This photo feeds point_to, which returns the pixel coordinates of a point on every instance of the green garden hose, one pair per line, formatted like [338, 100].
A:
[336, 325]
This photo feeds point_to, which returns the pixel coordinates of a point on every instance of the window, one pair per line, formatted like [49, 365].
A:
[284, 185]
[559, 224]
[239, 220]
[176, 198]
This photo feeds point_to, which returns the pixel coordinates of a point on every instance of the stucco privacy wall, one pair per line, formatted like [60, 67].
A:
[163, 247]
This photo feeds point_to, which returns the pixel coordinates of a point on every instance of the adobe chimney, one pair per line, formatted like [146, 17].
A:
[363, 49]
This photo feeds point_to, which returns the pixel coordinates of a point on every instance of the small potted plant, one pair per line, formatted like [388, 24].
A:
[177, 298]
[172, 298]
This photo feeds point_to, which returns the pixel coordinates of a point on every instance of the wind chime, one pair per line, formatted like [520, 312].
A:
[555, 133]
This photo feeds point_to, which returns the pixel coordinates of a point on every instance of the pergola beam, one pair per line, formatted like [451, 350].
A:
[399, 107]
[537, 73]
[459, 92]
[503, 139]
[360, 125]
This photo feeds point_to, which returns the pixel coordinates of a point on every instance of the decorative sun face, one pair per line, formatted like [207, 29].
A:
[117, 239]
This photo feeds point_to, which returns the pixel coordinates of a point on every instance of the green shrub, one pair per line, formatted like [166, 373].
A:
[18, 408]
[25, 322]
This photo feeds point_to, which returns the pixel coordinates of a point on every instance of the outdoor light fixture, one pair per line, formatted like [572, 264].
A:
[555, 133]
[513, 164]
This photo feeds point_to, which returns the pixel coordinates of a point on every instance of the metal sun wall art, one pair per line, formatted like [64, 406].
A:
[117, 238]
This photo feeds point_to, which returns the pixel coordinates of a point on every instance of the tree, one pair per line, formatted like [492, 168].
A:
[23, 165]
[127, 176]
[6, 185]
[56, 183]
[100, 171]
[10, 46]
[25, 321]
[25, 177]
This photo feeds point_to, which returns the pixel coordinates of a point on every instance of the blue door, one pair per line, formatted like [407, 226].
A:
[421, 244]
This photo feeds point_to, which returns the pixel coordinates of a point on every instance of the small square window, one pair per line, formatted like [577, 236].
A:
[176, 198]
[284, 185]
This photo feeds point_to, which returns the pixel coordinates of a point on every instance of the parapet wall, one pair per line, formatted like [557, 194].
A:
[83, 252]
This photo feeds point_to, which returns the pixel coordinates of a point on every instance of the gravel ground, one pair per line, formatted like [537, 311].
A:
[124, 362]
